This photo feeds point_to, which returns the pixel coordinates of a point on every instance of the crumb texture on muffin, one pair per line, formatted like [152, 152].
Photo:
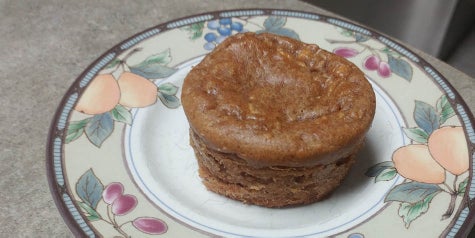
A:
[275, 101]
[275, 122]
[274, 186]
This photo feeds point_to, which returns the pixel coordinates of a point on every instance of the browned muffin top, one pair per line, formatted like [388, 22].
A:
[273, 100]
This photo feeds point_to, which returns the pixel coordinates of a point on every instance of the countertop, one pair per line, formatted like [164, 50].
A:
[45, 45]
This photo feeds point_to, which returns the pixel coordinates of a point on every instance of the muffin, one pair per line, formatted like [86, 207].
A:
[274, 121]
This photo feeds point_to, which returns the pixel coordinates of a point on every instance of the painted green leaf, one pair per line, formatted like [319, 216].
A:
[91, 213]
[389, 51]
[195, 30]
[400, 67]
[162, 58]
[411, 211]
[416, 134]
[462, 186]
[360, 37]
[113, 63]
[347, 33]
[154, 67]
[275, 25]
[274, 22]
[89, 188]
[426, 117]
[198, 26]
[168, 89]
[153, 71]
[99, 128]
[386, 175]
[386, 50]
[411, 192]
[75, 129]
[71, 136]
[170, 101]
[92, 218]
[376, 169]
[444, 109]
[121, 114]
[440, 103]
[285, 32]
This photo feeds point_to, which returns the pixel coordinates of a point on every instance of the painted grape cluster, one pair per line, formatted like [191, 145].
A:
[221, 28]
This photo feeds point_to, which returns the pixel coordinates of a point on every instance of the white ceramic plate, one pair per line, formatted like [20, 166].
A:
[120, 164]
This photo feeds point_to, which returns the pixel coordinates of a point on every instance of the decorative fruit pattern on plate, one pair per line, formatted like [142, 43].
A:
[438, 154]
[224, 27]
[110, 99]
[91, 192]
[102, 95]
[100, 196]
[446, 145]
[384, 61]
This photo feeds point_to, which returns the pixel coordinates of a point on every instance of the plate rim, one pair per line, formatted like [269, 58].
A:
[57, 191]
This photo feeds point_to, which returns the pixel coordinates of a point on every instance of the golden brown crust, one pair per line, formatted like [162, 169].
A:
[274, 101]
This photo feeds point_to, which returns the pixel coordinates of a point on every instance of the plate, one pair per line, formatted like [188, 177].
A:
[119, 162]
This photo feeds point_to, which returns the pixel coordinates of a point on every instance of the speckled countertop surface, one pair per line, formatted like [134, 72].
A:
[45, 45]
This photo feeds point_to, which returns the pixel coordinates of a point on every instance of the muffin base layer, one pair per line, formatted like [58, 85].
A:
[274, 186]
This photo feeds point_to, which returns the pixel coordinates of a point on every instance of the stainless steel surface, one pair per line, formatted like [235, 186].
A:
[463, 57]
[433, 26]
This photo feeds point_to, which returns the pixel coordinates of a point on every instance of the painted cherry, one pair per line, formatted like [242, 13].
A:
[121, 204]
[346, 52]
[150, 225]
[112, 192]
[124, 204]
[373, 62]
[384, 70]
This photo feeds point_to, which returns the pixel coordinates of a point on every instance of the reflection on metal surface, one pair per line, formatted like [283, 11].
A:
[433, 26]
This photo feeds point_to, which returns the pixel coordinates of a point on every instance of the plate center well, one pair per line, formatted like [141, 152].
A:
[162, 164]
